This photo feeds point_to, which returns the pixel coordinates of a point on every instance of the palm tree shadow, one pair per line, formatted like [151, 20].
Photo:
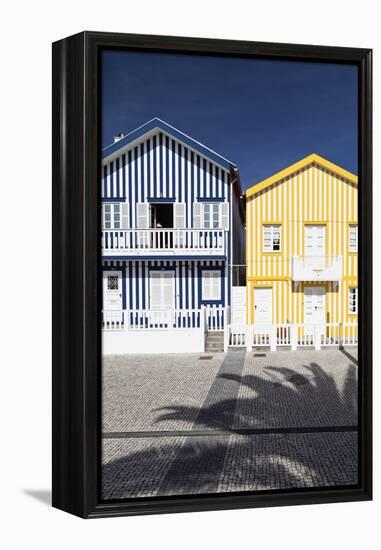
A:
[230, 460]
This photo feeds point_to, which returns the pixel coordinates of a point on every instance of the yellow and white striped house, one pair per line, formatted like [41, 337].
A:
[302, 246]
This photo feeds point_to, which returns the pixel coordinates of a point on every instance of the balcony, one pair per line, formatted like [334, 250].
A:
[163, 242]
[316, 268]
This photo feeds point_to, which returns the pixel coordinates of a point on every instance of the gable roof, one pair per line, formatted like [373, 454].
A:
[149, 127]
[310, 160]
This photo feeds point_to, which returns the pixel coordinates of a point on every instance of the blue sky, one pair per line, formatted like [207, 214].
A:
[261, 114]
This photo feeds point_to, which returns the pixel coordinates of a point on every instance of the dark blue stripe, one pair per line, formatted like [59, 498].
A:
[180, 283]
[167, 166]
[174, 190]
[130, 183]
[142, 171]
[186, 177]
[130, 283]
[136, 174]
[161, 199]
[117, 178]
[180, 172]
[161, 165]
[211, 178]
[105, 181]
[112, 182]
[124, 175]
[192, 186]
[148, 166]
[124, 296]
[210, 198]
[155, 182]
[204, 178]
[144, 305]
[137, 273]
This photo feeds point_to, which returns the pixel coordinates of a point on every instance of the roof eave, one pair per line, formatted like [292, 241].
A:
[286, 172]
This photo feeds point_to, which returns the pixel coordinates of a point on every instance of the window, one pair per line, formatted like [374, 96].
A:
[352, 238]
[112, 282]
[211, 285]
[211, 215]
[271, 238]
[115, 215]
[353, 300]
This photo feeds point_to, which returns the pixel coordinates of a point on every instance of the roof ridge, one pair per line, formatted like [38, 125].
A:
[313, 158]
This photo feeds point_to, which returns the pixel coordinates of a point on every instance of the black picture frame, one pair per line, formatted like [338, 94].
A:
[76, 260]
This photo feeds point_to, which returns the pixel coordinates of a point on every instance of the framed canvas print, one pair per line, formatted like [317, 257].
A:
[212, 321]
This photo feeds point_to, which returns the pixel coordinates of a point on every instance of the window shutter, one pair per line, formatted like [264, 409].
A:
[179, 215]
[197, 215]
[103, 217]
[224, 215]
[124, 209]
[142, 215]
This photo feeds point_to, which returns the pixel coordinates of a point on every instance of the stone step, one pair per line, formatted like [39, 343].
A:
[215, 337]
[214, 348]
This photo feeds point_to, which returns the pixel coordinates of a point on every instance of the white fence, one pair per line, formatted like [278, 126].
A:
[210, 318]
[291, 335]
[163, 241]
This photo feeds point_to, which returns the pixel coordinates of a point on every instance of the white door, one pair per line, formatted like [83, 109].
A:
[112, 291]
[314, 308]
[162, 295]
[314, 245]
[263, 303]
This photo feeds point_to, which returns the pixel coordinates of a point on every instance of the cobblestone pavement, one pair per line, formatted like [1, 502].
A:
[179, 424]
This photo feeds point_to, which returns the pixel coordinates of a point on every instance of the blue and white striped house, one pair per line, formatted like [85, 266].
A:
[172, 229]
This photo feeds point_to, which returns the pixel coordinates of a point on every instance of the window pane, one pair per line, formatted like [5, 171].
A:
[112, 282]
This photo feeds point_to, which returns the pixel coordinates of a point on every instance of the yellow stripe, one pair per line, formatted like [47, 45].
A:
[311, 159]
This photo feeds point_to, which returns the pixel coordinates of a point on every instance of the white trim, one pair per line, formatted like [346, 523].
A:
[272, 227]
[210, 284]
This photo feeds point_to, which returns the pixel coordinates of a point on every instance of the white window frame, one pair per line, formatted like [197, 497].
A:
[206, 294]
[114, 210]
[353, 300]
[214, 213]
[354, 247]
[270, 248]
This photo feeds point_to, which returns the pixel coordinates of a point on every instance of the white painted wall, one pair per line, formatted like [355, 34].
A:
[238, 307]
[120, 342]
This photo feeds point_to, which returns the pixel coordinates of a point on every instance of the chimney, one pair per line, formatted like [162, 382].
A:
[118, 137]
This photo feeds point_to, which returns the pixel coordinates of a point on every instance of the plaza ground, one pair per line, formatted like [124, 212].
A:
[206, 423]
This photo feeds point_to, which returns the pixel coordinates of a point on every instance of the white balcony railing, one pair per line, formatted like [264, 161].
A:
[163, 242]
[209, 318]
[316, 268]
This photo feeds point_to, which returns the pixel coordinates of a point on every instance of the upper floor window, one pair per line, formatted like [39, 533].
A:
[114, 215]
[352, 238]
[271, 238]
[353, 300]
[211, 215]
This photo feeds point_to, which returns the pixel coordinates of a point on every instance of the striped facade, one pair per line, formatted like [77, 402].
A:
[313, 192]
[135, 278]
[157, 165]
[163, 168]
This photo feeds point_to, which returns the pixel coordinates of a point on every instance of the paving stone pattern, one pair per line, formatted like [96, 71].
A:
[222, 399]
